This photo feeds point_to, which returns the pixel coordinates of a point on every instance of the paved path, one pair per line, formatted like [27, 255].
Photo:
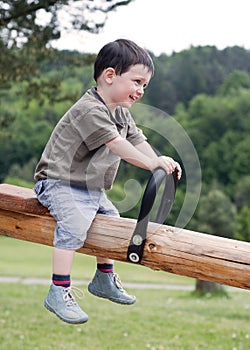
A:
[135, 285]
[45, 281]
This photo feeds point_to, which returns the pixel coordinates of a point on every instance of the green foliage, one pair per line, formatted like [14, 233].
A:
[24, 172]
[235, 80]
[219, 128]
[243, 220]
[216, 120]
[7, 117]
[216, 214]
[17, 181]
[183, 75]
[28, 121]
[242, 192]
[28, 27]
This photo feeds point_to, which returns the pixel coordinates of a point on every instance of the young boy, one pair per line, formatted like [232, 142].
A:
[80, 161]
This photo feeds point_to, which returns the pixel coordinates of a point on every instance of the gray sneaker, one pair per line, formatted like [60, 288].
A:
[61, 302]
[108, 285]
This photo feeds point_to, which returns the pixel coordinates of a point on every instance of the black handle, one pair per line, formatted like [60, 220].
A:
[137, 242]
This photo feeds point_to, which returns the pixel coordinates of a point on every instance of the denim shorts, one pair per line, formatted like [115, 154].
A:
[74, 208]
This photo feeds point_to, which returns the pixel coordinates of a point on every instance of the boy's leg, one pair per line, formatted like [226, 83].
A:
[59, 299]
[106, 284]
[104, 261]
[62, 261]
[70, 234]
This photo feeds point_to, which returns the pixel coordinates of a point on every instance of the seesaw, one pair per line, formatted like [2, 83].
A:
[152, 244]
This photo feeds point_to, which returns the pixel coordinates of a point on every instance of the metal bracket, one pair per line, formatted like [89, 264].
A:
[138, 239]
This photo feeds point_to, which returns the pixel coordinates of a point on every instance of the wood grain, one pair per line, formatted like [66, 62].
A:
[169, 249]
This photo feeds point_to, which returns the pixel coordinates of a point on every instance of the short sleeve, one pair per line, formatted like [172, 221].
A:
[96, 127]
[134, 134]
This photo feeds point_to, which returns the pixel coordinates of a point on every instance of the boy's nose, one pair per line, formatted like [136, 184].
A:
[140, 91]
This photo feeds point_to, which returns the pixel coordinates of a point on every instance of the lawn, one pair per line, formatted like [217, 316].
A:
[25, 259]
[161, 319]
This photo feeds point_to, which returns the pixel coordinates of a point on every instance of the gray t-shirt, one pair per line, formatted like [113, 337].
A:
[76, 151]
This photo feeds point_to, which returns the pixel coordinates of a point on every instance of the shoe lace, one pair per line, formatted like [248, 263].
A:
[69, 292]
[118, 282]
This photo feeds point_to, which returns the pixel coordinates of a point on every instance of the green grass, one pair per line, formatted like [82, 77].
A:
[25, 259]
[160, 320]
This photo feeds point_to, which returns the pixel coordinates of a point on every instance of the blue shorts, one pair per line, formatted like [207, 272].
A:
[74, 208]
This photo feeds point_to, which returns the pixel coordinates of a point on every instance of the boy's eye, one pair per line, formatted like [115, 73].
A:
[139, 82]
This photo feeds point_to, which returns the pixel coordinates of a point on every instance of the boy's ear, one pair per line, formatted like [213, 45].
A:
[109, 74]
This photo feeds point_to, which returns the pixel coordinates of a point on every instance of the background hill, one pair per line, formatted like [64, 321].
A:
[206, 90]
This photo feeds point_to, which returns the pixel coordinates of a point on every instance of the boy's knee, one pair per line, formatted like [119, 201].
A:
[69, 240]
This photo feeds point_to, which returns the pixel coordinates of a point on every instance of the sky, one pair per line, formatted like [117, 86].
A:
[167, 26]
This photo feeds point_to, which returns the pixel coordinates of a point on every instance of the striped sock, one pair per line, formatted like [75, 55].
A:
[61, 280]
[105, 267]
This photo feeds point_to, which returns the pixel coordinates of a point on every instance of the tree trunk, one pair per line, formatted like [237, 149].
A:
[206, 287]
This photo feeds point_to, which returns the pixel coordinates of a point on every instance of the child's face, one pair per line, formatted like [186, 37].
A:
[128, 87]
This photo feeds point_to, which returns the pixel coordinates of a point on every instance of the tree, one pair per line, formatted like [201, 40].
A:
[242, 192]
[219, 128]
[21, 19]
[216, 215]
[235, 80]
[26, 31]
[27, 28]
[243, 221]
[198, 70]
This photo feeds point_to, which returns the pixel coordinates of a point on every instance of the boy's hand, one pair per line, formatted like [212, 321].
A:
[143, 156]
[168, 164]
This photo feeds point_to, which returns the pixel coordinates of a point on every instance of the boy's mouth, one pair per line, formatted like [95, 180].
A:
[133, 98]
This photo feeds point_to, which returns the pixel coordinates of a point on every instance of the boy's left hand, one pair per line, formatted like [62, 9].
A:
[179, 170]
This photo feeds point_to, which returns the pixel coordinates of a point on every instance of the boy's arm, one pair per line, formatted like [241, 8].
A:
[135, 156]
[145, 148]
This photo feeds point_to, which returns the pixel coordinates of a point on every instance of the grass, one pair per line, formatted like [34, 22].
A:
[25, 259]
[160, 320]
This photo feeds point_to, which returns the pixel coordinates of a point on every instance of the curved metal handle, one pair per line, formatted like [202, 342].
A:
[137, 242]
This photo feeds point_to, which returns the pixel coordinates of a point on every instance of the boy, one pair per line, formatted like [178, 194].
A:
[80, 161]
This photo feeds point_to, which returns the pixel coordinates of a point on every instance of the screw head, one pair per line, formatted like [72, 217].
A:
[137, 240]
[133, 257]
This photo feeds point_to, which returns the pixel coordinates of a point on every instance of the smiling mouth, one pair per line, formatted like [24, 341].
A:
[133, 98]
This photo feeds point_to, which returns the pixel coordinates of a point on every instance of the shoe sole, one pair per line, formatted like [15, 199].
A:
[114, 300]
[67, 320]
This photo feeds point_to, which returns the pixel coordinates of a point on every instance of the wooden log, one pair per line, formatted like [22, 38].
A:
[169, 249]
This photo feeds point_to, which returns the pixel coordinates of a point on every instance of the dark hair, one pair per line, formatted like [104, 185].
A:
[120, 55]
